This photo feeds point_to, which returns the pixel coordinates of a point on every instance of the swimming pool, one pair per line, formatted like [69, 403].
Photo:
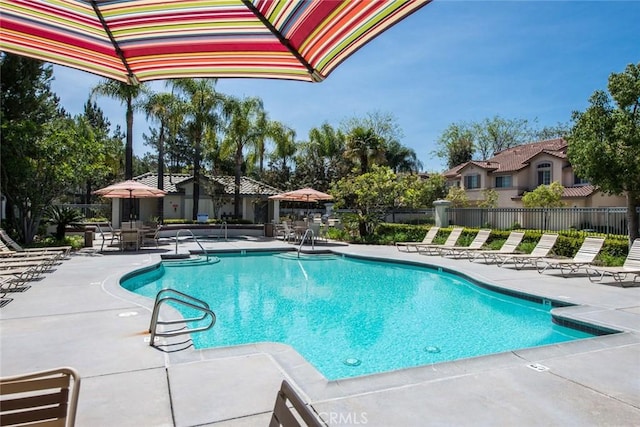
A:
[350, 317]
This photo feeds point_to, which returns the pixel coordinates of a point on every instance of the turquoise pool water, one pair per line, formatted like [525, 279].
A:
[351, 317]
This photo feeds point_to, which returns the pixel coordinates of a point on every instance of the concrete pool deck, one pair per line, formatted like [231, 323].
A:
[79, 316]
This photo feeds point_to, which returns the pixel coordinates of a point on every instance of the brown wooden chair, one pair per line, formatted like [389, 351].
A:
[40, 398]
[284, 416]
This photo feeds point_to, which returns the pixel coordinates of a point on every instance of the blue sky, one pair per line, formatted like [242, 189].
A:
[450, 62]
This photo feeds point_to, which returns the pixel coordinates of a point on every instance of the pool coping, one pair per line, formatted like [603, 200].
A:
[317, 389]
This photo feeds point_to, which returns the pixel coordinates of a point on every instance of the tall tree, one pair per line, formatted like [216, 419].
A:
[126, 94]
[243, 130]
[456, 144]
[320, 159]
[364, 147]
[604, 145]
[161, 107]
[402, 159]
[284, 139]
[498, 134]
[202, 103]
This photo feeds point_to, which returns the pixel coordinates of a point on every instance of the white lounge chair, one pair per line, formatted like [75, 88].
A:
[428, 239]
[542, 250]
[631, 266]
[465, 251]
[584, 257]
[65, 250]
[508, 247]
[453, 237]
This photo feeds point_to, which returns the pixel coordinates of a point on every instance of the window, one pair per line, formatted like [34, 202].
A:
[503, 181]
[544, 173]
[471, 182]
[579, 181]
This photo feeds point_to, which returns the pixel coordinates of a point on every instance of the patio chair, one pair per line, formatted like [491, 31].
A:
[542, 250]
[107, 232]
[428, 239]
[631, 266]
[584, 257]
[40, 398]
[129, 238]
[431, 249]
[16, 247]
[283, 413]
[508, 247]
[286, 232]
[151, 237]
[465, 251]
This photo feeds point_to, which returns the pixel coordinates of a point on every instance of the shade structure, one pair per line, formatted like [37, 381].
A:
[130, 190]
[143, 40]
[303, 195]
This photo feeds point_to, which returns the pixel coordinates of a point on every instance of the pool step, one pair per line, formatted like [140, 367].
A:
[307, 256]
[188, 260]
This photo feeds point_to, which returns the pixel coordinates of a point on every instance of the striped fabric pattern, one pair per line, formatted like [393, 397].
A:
[161, 39]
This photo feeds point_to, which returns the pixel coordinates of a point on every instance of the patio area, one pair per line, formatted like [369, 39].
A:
[79, 316]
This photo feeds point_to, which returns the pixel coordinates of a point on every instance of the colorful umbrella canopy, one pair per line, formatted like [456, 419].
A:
[142, 40]
[130, 190]
[303, 195]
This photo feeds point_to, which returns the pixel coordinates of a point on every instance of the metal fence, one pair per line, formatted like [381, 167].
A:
[596, 220]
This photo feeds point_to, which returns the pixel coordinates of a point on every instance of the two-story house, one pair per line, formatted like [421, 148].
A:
[516, 170]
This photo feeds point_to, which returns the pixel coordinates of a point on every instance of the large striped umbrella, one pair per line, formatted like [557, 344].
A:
[142, 40]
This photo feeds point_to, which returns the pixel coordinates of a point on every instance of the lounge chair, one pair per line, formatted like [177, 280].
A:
[428, 239]
[542, 250]
[465, 251]
[584, 257]
[631, 266]
[431, 249]
[16, 247]
[283, 414]
[508, 247]
[40, 398]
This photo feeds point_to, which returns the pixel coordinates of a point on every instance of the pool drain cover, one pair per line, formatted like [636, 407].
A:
[432, 349]
[352, 361]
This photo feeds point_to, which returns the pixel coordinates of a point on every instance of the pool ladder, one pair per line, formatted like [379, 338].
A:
[194, 238]
[179, 298]
[304, 236]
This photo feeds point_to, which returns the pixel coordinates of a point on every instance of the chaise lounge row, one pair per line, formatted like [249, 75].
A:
[539, 258]
[18, 266]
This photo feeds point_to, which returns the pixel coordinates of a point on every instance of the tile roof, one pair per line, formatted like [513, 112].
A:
[174, 182]
[581, 191]
[515, 158]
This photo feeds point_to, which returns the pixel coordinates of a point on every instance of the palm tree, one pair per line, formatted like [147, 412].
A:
[284, 139]
[162, 107]
[244, 129]
[401, 158]
[201, 105]
[365, 147]
[126, 94]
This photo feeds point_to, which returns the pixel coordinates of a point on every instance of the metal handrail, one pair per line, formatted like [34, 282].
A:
[194, 238]
[224, 225]
[304, 236]
[185, 300]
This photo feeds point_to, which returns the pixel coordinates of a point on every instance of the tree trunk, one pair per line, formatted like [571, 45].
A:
[161, 174]
[236, 190]
[128, 154]
[633, 201]
[196, 181]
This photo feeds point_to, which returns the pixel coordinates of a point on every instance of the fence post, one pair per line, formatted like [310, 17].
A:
[441, 218]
